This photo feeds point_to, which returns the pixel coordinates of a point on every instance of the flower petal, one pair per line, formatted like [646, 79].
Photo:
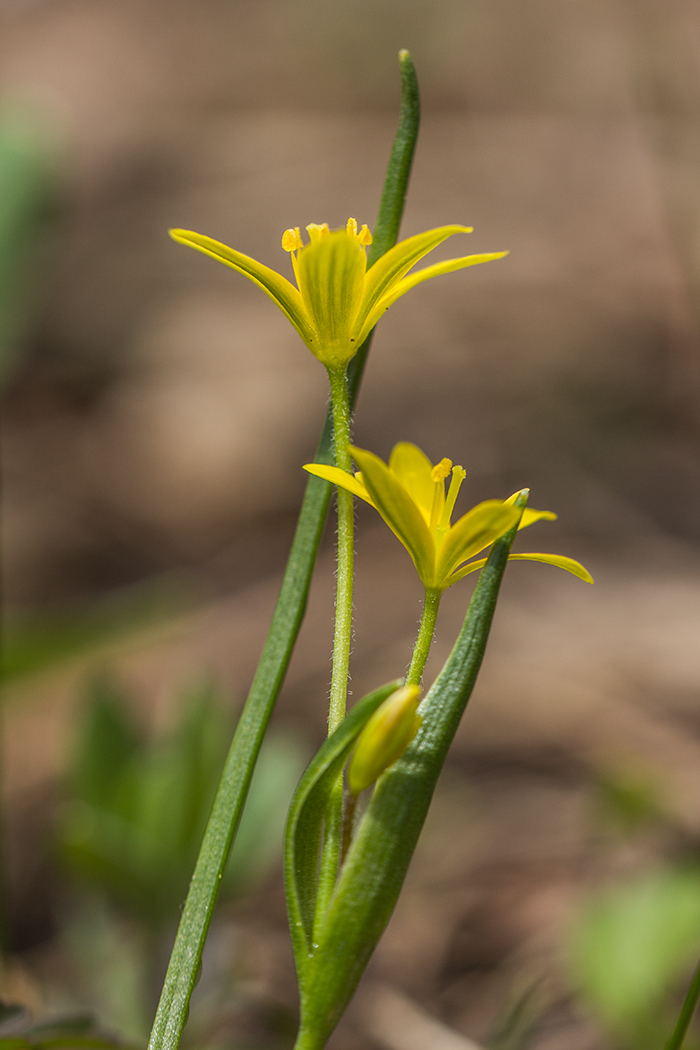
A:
[530, 515]
[478, 528]
[413, 469]
[330, 273]
[391, 266]
[399, 511]
[399, 288]
[340, 477]
[281, 291]
[570, 564]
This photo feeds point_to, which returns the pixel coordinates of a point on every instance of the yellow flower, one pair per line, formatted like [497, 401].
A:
[338, 300]
[409, 493]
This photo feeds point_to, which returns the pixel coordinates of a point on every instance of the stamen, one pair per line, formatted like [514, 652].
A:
[351, 227]
[438, 475]
[365, 236]
[317, 231]
[291, 240]
[441, 469]
[458, 476]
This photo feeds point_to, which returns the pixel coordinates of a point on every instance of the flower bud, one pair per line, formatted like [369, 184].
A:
[385, 737]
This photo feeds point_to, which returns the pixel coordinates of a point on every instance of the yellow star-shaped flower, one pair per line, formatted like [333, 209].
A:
[338, 300]
[409, 493]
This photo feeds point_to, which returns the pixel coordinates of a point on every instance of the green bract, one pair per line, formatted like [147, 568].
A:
[338, 300]
[409, 493]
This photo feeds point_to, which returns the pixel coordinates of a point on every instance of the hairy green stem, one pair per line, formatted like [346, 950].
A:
[346, 528]
[333, 829]
[425, 636]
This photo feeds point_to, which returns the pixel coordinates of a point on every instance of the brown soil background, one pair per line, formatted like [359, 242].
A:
[158, 419]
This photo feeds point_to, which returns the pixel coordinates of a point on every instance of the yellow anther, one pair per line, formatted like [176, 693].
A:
[291, 240]
[317, 230]
[365, 236]
[351, 227]
[441, 470]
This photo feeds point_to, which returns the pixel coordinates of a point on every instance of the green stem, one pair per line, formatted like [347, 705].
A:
[346, 526]
[686, 1014]
[333, 827]
[425, 636]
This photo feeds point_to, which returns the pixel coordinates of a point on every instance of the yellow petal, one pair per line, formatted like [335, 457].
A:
[562, 562]
[340, 477]
[478, 528]
[413, 469]
[399, 511]
[396, 290]
[570, 564]
[330, 273]
[530, 515]
[281, 291]
[391, 267]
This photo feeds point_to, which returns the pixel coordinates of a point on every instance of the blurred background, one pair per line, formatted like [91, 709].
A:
[156, 412]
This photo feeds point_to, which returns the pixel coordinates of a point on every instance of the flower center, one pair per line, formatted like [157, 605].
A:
[292, 242]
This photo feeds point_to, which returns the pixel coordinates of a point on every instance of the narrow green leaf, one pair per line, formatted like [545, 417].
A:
[304, 825]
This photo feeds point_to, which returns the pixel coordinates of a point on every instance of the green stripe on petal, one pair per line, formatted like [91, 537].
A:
[413, 469]
[395, 291]
[281, 291]
[399, 512]
[330, 273]
[478, 528]
[570, 564]
[392, 266]
[341, 478]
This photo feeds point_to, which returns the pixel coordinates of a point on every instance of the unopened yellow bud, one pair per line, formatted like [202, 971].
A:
[385, 737]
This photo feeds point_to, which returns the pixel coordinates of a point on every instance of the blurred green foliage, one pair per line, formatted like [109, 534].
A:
[129, 833]
[634, 945]
[29, 188]
[635, 942]
[138, 807]
[40, 640]
[69, 1032]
